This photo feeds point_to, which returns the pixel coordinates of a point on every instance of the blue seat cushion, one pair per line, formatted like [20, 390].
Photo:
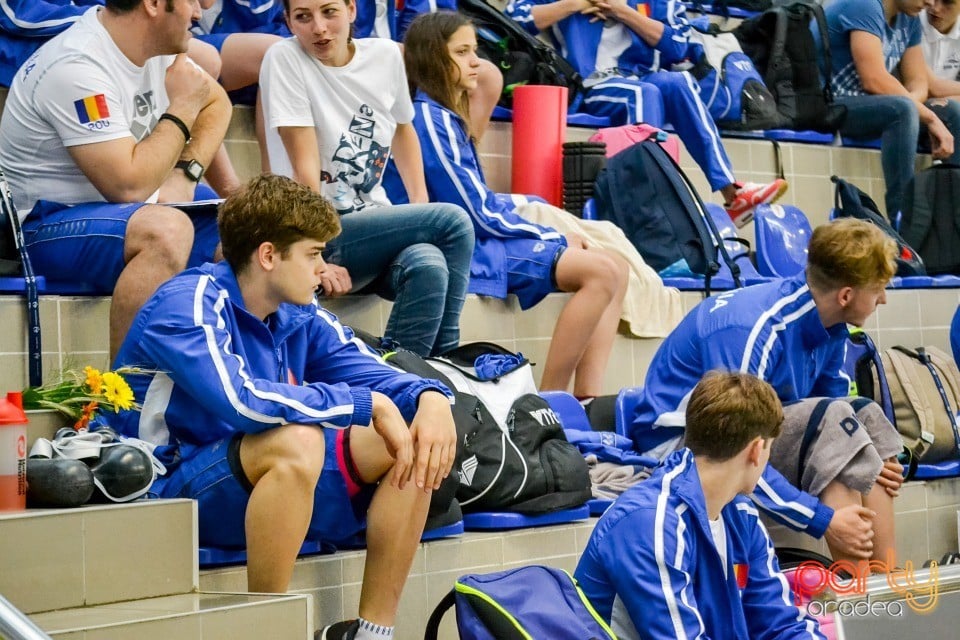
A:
[501, 520]
[947, 469]
[599, 505]
[217, 557]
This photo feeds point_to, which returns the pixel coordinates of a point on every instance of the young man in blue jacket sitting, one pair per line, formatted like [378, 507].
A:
[792, 333]
[684, 553]
[279, 422]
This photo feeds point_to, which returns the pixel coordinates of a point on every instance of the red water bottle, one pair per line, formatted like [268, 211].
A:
[13, 453]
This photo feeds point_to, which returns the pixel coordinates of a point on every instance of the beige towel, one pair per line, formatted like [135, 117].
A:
[650, 309]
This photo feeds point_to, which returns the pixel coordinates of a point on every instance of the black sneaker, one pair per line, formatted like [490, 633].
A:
[344, 630]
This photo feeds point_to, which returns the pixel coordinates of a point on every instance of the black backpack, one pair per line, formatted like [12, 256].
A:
[645, 193]
[851, 202]
[526, 465]
[782, 48]
[521, 57]
[931, 217]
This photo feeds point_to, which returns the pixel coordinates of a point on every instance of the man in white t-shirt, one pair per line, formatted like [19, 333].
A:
[102, 122]
[941, 46]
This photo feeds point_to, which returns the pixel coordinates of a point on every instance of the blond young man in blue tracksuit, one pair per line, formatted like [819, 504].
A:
[270, 414]
[684, 554]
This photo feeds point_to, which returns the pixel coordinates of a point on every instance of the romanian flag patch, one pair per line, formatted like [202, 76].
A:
[740, 572]
[643, 9]
[92, 108]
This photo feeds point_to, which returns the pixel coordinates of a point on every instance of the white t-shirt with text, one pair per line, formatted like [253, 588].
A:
[354, 110]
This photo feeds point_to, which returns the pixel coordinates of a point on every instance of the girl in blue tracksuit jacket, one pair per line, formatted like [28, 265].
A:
[512, 255]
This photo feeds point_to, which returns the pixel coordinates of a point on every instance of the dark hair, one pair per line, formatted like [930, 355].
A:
[124, 6]
[727, 410]
[286, 10]
[428, 62]
[271, 208]
[850, 253]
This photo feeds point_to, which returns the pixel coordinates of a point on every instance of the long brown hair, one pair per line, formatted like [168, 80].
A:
[429, 66]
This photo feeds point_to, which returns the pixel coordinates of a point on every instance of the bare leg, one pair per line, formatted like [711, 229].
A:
[283, 465]
[484, 98]
[838, 496]
[592, 277]
[156, 247]
[593, 365]
[885, 540]
[242, 55]
[394, 526]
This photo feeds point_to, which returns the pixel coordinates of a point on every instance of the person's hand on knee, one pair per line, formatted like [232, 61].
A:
[941, 140]
[891, 477]
[435, 439]
[851, 531]
[389, 423]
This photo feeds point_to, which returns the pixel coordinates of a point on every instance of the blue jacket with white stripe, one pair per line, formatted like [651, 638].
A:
[771, 330]
[251, 16]
[577, 37]
[215, 369]
[453, 174]
[27, 24]
[652, 567]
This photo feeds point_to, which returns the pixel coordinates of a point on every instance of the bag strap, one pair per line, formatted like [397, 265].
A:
[35, 364]
[902, 362]
[924, 358]
[433, 623]
[821, 19]
[816, 417]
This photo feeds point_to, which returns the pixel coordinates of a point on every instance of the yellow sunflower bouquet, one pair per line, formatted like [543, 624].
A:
[81, 394]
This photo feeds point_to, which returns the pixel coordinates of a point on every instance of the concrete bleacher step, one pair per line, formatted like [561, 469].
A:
[190, 616]
[54, 559]
[334, 580]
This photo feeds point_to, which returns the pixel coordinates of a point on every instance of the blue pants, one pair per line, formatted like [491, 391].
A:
[417, 255]
[896, 121]
[618, 99]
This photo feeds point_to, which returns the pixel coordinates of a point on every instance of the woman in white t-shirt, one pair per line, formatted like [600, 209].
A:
[336, 108]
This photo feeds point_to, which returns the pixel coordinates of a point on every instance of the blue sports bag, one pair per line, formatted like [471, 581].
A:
[529, 603]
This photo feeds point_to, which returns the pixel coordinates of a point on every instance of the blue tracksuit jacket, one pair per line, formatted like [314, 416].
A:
[218, 370]
[578, 39]
[641, 67]
[453, 174]
[652, 560]
[251, 16]
[27, 24]
[771, 330]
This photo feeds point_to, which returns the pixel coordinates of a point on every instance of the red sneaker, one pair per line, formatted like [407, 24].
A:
[751, 194]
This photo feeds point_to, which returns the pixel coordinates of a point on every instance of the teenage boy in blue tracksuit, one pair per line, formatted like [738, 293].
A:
[792, 334]
[684, 554]
[616, 44]
[272, 415]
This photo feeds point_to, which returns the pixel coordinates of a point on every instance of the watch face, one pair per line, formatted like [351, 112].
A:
[193, 169]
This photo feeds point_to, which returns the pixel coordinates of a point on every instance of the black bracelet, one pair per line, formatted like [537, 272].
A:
[180, 125]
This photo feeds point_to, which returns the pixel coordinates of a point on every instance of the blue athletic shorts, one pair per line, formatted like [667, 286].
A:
[84, 242]
[212, 475]
[532, 268]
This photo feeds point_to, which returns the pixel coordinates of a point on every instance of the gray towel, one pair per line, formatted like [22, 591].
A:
[852, 440]
[609, 480]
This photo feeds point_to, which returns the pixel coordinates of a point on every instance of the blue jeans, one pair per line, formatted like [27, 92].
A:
[896, 121]
[417, 255]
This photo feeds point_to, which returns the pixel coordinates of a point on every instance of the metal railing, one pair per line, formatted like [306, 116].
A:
[14, 625]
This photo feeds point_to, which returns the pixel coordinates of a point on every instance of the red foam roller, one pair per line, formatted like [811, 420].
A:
[539, 126]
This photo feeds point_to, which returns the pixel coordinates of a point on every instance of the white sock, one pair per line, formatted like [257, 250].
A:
[371, 631]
